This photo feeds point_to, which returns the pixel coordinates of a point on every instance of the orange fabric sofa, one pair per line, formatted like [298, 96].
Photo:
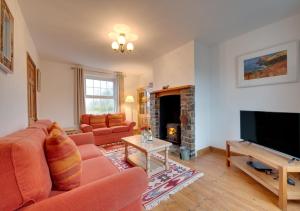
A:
[105, 128]
[26, 183]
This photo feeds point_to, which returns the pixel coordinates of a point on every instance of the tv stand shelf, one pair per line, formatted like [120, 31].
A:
[249, 151]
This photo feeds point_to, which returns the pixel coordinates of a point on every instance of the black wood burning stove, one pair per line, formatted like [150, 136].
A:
[170, 118]
[174, 133]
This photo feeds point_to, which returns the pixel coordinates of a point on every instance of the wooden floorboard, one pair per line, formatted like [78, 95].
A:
[221, 188]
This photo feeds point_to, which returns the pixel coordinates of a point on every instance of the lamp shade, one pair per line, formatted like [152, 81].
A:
[122, 39]
[115, 45]
[129, 99]
[130, 46]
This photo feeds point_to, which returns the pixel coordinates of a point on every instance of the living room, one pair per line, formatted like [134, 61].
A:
[176, 83]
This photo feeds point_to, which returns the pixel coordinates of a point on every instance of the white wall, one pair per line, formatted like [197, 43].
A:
[57, 92]
[202, 95]
[227, 100]
[175, 68]
[13, 94]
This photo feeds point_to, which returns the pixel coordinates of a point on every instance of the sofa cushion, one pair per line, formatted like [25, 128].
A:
[24, 173]
[116, 119]
[98, 121]
[119, 129]
[88, 151]
[97, 168]
[102, 131]
[64, 160]
[92, 170]
[85, 119]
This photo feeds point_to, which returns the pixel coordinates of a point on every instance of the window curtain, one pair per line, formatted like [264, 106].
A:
[79, 94]
[120, 84]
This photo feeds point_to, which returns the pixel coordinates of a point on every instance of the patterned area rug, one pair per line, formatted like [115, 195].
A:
[162, 184]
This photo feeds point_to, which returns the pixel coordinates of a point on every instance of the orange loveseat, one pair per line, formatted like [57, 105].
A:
[26, 183]
[107, 128]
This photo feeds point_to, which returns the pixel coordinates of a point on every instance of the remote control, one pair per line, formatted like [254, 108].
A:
[291, 181]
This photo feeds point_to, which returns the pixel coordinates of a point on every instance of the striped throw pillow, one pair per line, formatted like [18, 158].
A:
[116, 119]
[64, 161]
[98, 121]
[54, 125]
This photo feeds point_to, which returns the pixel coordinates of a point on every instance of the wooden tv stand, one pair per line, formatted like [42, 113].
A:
[249, 151]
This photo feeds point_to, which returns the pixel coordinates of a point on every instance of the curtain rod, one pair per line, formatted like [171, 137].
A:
[95, 70]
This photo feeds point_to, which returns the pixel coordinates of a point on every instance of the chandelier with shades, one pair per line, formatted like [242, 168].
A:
[119, 45]
[122, 38]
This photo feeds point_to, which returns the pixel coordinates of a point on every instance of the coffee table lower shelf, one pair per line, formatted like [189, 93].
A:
[139, 159]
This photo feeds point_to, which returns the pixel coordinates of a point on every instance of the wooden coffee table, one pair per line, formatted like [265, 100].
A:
[143, 158]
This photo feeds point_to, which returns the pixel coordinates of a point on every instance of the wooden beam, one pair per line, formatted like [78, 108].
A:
[171, 91]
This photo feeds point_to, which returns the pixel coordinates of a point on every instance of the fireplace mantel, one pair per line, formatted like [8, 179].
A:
[171, 91]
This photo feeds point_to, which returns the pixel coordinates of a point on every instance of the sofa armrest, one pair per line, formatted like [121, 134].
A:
[86, 128]
[111, 193]
[83, 138]
[130, 124]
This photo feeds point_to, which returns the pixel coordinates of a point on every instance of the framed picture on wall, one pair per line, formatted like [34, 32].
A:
[6, 38]
[278, 64]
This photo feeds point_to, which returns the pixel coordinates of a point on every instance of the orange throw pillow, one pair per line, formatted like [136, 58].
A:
[116, 119]
[54, 125]
[85, 119]
[64, 161]
[98, 121]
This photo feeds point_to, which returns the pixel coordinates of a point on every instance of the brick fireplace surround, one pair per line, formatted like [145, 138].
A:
[187, 113]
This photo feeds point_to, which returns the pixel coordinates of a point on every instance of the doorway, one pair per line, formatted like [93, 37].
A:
[31, 90]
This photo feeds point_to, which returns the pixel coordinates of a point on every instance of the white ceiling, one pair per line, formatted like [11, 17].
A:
[76, 31]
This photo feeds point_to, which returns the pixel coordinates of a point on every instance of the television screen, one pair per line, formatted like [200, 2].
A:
[278, 131]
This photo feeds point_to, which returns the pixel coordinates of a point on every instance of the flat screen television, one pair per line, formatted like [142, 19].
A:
[277, 131]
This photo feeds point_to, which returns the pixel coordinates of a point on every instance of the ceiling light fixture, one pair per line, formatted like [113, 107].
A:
[122, 39]
[120, 44]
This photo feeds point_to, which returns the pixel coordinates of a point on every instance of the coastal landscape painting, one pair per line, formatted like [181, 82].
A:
[273, 65]
[270, 65]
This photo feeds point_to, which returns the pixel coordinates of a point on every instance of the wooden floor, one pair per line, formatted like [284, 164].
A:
[221, 188]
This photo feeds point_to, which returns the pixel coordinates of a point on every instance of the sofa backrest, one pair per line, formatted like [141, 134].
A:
[24, 173]
[42, 124]
[103, 120]
[45, 122]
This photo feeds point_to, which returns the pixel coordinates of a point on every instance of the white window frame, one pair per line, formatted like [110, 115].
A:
[115, 90]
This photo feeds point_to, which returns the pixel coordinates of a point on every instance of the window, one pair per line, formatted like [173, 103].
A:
[100, 95]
